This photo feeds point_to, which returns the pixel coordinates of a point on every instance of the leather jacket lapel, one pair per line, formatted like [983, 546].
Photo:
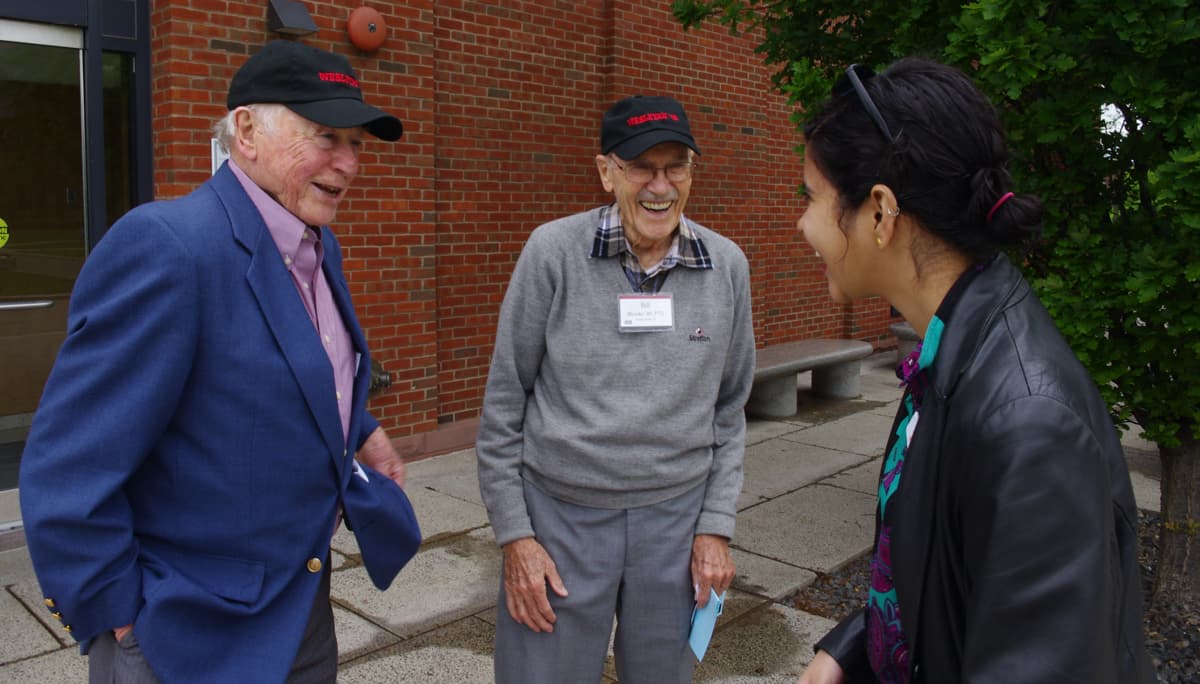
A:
[920, 521]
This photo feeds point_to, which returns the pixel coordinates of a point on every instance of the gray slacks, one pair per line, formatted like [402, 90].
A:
[632, 563]
[110, 662]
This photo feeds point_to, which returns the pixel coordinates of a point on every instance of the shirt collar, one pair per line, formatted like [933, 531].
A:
[286, 229]
[687, 249]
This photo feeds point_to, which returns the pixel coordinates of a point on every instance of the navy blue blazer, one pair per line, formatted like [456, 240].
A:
[187, 458]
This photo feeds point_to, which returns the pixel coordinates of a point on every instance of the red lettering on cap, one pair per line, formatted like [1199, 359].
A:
[652, 116]
[338, 78]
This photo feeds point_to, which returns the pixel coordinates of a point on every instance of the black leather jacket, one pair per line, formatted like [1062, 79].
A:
[1014, 547]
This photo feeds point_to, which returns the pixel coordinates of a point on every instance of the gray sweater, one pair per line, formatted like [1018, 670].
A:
[598, 417]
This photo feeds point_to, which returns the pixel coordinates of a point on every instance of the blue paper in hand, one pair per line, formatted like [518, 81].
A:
[703, 621]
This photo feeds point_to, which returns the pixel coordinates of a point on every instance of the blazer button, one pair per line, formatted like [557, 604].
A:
[314, 565]
[49, 603]
[57, 615]
[67, 629]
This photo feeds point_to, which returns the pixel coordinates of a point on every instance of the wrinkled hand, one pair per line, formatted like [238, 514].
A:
[120, 632]
[527, 570]
[712, 566]
[822, 670]
[379, 453]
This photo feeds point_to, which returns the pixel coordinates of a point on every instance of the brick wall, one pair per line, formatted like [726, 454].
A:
[501, 105]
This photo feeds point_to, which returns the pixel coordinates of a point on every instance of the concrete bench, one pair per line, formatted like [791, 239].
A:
[835, 366]
[906, 339]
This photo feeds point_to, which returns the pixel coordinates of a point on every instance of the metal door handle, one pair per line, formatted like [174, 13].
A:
[27, 304]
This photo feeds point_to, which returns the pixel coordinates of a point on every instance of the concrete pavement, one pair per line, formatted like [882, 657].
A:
[806, 508]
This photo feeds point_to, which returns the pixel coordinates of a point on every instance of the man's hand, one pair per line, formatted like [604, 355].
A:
[120, 632]
[822, 670]
[527, 570]
[712, 566]
[379, 453]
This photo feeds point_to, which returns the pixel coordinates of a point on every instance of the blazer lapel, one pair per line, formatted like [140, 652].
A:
[922, 518]
[284, 313]
[341, 296]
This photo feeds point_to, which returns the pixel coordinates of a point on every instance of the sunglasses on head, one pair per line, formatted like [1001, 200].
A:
[853, 80]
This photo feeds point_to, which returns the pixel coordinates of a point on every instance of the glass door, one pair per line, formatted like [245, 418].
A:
[43, 231]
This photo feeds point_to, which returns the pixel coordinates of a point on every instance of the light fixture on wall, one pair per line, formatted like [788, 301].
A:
[289, 17]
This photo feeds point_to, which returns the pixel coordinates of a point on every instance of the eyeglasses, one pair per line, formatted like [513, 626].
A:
[638, 172]
[852, 80]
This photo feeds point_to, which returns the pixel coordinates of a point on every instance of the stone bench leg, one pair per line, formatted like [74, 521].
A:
[774, 398]
[839, 381]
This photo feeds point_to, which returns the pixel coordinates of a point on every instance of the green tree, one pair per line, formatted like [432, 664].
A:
[1103, 115]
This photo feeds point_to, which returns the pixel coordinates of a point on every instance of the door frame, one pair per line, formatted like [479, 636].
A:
[95, 27]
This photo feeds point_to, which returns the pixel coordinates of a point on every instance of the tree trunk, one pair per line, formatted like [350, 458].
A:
[1177, 579]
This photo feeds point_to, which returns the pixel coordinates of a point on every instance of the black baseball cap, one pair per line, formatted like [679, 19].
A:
[318, 85]
[635, 124]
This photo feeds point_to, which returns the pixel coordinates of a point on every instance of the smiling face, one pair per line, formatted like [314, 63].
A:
[843, 239]
[304, 166]
[649, 211]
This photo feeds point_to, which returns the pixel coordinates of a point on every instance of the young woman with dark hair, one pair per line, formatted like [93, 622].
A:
[1006, 546]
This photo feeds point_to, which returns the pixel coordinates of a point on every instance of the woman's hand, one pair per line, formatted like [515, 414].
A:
[822, 670]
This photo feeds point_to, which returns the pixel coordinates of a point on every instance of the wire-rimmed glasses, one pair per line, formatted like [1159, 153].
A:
[640, 172]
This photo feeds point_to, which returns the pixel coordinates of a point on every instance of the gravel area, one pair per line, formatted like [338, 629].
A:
[1172, 637]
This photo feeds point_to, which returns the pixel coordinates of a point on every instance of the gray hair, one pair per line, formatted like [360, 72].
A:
[267, 115]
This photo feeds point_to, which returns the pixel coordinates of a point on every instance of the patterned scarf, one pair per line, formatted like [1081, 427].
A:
[887, 648]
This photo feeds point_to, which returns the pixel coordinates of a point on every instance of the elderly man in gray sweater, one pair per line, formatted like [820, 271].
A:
[612, 434]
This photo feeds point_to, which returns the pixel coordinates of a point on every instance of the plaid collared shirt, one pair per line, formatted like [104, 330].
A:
[687, 249]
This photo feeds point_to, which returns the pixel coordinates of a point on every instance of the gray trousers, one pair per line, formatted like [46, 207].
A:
[632, 563]
[110, 662]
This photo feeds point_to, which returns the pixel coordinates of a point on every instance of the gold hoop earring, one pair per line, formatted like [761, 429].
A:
[878, 241]
[893, 212]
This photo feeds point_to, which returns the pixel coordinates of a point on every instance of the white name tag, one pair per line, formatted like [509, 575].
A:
[645, 313]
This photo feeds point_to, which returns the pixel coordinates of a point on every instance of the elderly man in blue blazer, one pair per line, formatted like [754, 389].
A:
[204, 431]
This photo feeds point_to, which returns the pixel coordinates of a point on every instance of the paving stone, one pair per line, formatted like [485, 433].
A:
[340, 561]
[767, 577]
[760, 430]
[442, 515]
[782, 528]
[442, 584]
[861, 478]
[453, 474]
[356, 636]
[460, 652]
[63, 665]
[1147, 491]
[345, 543]
[25, 635]
[887, 411]
[777, 467]
[15, 566]
[1133, 439]
[30, 594]
[488, 615]
[863, 433]
[770, 645]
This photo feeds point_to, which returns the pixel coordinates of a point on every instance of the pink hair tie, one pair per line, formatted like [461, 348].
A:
[1003, 198]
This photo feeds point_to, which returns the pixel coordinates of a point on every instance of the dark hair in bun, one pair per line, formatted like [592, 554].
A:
[946, 161]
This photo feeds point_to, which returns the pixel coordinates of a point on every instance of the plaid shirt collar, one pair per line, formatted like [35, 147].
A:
[687, 248]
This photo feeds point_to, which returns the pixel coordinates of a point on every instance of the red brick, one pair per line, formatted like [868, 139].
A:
[501, 107]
